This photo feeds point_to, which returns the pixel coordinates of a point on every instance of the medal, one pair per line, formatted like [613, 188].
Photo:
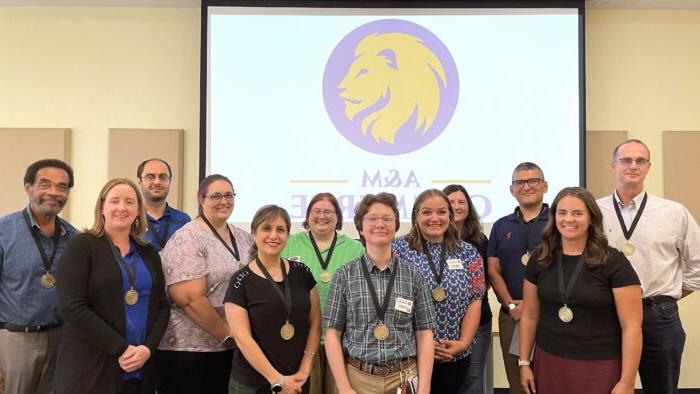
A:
[566, 314]
[48, 280]
[325, 276]
[381, 331]
[628, 249]
[439, 294]
[131, 296]
[287, 331]
[525, 258]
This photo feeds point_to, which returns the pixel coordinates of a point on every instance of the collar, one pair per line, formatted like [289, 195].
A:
[543, 215]
[166, 213]
[634, 203]
[33, 222]
[371, 266]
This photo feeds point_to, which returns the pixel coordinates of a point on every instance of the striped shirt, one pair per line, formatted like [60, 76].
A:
[350, 310]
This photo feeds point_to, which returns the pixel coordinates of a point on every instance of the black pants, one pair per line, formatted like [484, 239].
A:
[447, 377]
[131, 386]
[193, 372]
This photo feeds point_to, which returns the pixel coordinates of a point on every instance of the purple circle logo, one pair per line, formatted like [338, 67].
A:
[390, 87]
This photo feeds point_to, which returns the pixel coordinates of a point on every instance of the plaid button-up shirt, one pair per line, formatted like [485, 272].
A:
[349, 309]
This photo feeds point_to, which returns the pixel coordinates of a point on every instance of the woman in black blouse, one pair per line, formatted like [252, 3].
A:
[583, 303]
[273, 310]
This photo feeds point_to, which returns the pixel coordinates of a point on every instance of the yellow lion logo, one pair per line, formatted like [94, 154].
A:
[399, 69]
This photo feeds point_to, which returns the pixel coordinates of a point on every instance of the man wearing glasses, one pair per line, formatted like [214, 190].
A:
[154, 176]
[513, 239]
[657, 236]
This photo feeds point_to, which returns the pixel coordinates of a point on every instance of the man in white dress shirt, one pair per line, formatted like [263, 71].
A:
[662, 241]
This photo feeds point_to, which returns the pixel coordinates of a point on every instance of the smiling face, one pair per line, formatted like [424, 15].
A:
[433, 218]
[634, 173]
[120, 208]
[49, 192]
[378, 225]
[271, 236]
[572, 219]
[460, 206]
[529, 196]
[216, 204]
[322, 218]
[155, 181]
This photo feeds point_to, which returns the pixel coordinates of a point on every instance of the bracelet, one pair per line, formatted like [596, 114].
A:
[313, 354]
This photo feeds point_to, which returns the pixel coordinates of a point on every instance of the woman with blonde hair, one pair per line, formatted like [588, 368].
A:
[112, 299]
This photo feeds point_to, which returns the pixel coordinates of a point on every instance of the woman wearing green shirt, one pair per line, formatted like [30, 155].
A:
[323, 250]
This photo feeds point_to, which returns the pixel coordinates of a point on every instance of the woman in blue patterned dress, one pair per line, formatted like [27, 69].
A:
[453, 270]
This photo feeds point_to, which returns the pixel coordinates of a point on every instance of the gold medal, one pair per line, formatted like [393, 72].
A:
[627, 249]
[48, 280]
[325, 276]
[566, 314]
[525, 258]
[381, 331]
[439, 294]
[131, 296]
[287, 331]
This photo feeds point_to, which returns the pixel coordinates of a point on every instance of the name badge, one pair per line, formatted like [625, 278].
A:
[403, 305]
[455, 264]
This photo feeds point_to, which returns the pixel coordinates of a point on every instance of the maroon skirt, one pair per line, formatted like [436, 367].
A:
[556, 375]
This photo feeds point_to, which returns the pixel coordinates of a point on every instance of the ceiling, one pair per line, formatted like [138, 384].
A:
[612, 4]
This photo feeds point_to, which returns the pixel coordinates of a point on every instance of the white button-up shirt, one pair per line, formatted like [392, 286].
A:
[666, 241]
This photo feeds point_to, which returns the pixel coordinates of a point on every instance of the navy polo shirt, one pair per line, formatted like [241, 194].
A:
[510, 239]
[164, 227]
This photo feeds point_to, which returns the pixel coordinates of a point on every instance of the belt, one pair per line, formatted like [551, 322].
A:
[656, 300]
[381, 369]
[15, 328]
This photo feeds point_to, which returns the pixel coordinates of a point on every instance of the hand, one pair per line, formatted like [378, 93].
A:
[623, 388]
[134, 357]
[447, 350]
[300, 377]
[291, 385]
[527, 380]
[516, 312]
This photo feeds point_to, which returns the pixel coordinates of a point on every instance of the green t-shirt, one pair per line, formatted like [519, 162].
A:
[299, 246]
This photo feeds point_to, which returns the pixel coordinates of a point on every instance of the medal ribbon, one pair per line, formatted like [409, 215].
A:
[233, 251]
[130, 273]
[48, 261]
[287, 296]
[572, 280]
[327, 261]
[375, 300]
[628, 233]
[437, 271]
[162, 238]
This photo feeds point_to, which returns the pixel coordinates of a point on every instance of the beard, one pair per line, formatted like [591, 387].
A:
[155, 199]
[45, 209]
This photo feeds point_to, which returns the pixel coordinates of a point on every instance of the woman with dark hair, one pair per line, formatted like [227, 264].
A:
[582, 304]
[470, 230]
[273, 313]
[112, 299]
[323, 250]
[199, 260]
[454, 272]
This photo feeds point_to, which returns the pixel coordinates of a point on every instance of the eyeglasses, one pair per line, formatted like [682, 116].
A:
[152, 177]
[45, 185]
[627, 161]
[532, 182]
[219, 196]
[323, 212]
[386, 220]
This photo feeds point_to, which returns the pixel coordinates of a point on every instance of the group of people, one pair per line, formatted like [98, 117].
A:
[149, 300]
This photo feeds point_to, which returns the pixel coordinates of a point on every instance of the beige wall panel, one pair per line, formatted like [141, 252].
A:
[20, 147]
[681, 165]
[129, 147]
[599, 147]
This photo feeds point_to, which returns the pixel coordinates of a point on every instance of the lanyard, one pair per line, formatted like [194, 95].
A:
[564, 293]
[48, 261]
[233, 251]
[628, 233]
[130, 272]
[437, 271]
[287, 296]
[381, 311]
[324, 263]
[162, 237]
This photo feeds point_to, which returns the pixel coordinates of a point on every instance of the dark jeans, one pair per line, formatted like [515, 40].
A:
[131, 386]
[193, 372]
[662, 348]
[473, 382]
[447, 377]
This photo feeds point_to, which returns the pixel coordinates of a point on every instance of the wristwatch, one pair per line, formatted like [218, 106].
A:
[511, 306]
[277, 387]
[228, 341]
[523, 363]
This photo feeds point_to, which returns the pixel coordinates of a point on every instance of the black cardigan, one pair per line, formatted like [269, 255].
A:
[91, 303]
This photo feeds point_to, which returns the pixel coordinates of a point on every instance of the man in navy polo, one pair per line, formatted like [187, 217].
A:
[154, 180]
[31, 242]
[512, 241]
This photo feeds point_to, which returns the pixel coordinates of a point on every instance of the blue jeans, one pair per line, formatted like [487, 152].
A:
[663, 341]
[474, 380]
